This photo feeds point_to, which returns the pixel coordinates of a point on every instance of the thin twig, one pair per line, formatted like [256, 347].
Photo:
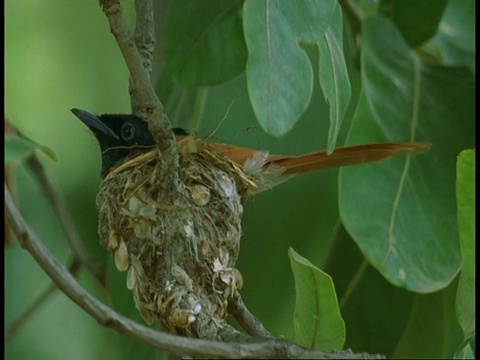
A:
[220, 123]
[61, 211]
[246, 319]
[107, 317]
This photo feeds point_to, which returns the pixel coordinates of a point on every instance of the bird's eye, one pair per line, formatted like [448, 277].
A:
[127, 131]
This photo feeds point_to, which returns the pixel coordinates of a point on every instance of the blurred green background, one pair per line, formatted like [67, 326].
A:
[61, 55]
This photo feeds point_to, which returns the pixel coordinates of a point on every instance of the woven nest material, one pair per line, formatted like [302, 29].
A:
[178, 245]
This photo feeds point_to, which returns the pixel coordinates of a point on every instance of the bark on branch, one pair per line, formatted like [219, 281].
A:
[144, 100]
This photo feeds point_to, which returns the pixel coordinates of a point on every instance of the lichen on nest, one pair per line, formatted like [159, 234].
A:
[178, 245]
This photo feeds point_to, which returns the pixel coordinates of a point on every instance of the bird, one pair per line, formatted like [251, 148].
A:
[178, 238]
[122, 136]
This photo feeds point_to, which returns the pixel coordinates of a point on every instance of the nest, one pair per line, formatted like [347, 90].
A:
[179, 244]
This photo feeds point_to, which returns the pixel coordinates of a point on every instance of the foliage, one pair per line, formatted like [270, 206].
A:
[317, 321]
[313, 75]
[19, 149]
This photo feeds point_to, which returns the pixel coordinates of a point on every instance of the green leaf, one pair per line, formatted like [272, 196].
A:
[402, 213]
[465, 352]
[417, 20]
[466, 228]
[317, 320]
[333, 75]
[279, 72]
[456, 34]
[203, 41]
[18, 149]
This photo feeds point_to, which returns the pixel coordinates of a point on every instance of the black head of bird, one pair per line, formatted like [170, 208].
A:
[120, 136]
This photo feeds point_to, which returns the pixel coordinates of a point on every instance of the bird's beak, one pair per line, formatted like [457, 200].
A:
[94, 123]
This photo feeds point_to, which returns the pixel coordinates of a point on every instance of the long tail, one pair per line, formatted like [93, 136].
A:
[350, 155]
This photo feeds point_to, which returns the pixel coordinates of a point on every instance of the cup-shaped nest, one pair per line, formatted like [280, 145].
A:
[178, 237]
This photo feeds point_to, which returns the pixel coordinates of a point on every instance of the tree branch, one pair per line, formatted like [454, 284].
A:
[145, 41]
[146, 101]
[271, 348]
[246, 319]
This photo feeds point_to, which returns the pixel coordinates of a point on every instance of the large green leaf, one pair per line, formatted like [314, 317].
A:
[417, 20]
[279, 73]
[203, 41]
[382, 318]
[333, 75]
[465, 352]
[456, 33]
[402, 213]
[317, 320]
[466, 228]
